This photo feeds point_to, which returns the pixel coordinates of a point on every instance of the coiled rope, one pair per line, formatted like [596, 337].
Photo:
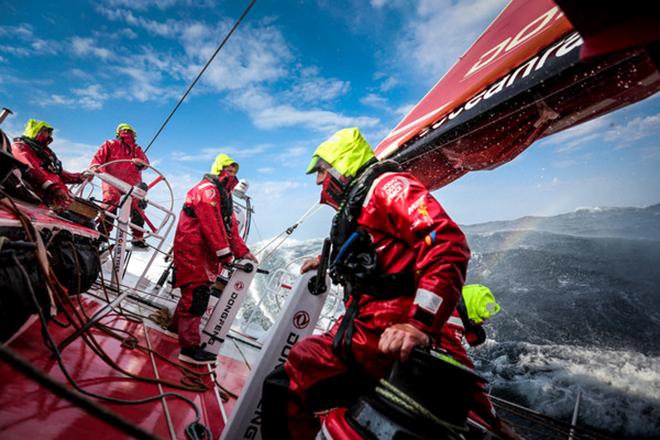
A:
[389, 392]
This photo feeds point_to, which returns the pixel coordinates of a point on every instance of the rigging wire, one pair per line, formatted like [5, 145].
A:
[284, 235]
[201, 72]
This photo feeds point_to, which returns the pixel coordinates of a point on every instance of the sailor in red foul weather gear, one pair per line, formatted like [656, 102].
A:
[45, 174]
[411, 289]
[206, 237]
[123, 147]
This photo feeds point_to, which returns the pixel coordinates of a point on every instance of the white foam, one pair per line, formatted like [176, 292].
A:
[620, 389]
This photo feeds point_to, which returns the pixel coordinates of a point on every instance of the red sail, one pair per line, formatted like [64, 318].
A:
[523, 79]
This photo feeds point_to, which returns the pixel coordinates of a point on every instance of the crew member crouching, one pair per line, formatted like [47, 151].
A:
[45, 173]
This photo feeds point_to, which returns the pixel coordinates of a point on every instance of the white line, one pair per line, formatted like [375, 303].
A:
[217, 396]
[170, 426]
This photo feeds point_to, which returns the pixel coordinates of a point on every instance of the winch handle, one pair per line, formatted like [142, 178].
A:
[317, 282]
[248, 267]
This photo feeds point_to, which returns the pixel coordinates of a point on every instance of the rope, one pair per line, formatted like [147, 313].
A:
[398, 397]
[201, 72]
[195, 430]
[58, 356]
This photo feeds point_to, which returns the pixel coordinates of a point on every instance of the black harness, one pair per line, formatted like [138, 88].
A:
[226, 204]
[49, 161]
[354, 258]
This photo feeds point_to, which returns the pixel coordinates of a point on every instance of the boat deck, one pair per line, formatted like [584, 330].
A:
[28, 408]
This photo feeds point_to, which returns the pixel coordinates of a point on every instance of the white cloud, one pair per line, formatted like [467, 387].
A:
[257, 56]
[15, 51]
[168, 28]
[87, 46]
[296, 151]
[650, 154]
[377, 3]
[266, 113]
[604, 130]
[91, 98]
[319, 120]
[570, 139]
[144, 85]
[318, 89]
[30, 44]
[209, 154]
[274, 189]
[441, 30]
[635, 129]
[23, 31]
[374, 100]
[47, 47]
[388, 84]
[256, 53]
[375, 135]
[75, 156]
[565, 163]
[404, 109]
[79, 73]
[141, 5]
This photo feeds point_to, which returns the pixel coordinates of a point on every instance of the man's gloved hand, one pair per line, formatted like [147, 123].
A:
[59, 199]
[226, 259]
[310, 264]
[142, 204]
[250, 257]
[398, 340]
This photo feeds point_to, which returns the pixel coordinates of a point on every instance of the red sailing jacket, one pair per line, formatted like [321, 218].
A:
[116, 149]
[412, 232]
[201, 238]
[46, 173]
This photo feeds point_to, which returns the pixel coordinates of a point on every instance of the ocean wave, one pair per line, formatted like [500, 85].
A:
[620, 389]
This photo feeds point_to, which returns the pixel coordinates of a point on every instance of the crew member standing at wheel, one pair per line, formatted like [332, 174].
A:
[206, 238]
[45, 173]
[123, 147]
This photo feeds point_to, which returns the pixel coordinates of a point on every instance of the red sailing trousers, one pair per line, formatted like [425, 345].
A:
[188, 314]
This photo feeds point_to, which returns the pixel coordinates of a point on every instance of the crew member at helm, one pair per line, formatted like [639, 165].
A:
[123, 147]
[417, 259]
[45, 173]
[206, 238]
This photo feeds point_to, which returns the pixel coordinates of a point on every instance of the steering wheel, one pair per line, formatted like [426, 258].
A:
[136, 192]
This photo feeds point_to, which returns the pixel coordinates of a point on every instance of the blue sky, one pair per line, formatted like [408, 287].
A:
[292, 74]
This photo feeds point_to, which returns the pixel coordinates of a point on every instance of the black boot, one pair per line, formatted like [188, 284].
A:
[197, 356]
[140, 243]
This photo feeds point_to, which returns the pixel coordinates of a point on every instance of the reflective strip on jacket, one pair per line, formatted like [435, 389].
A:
[412, 232]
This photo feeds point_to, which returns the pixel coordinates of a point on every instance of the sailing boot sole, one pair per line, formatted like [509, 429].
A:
[188, 359]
